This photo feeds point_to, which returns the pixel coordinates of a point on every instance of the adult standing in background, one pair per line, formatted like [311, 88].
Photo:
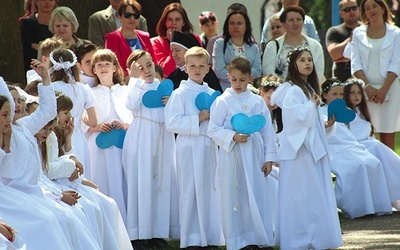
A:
[174, 18]
[127, 38]
[35, 28]
[309, 26]
[337, 37]
[105, 21]
[275, 57]
[152, 10]
[237, 41]
[376, 60]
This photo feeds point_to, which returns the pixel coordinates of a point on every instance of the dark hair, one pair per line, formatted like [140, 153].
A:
[109, 56]
[43, 148]
[159, 70]
[294, 77]
[293, 8]
[248, 36]
[83, 49]
[207, 16]
[133, 3]
[64, 103]
[237, 7]
[3, 99]
[161, 29]
[63, 55]
[387, 15]
[362, 107]
[241, 64]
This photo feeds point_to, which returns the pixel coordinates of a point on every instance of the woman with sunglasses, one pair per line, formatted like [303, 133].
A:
[376, 60]
[127, 38]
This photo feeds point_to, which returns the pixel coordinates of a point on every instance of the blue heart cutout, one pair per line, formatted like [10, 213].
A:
[341, 111]
[153, 98]
[204, 100]
[114, 138]
[247, 125]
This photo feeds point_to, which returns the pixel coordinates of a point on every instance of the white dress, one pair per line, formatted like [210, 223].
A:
[307, 214]
[111, 227]
[361, 187]
[148, 159]
[82, 97]
[106, 164]
[246, 204]
[196, 161]
[361, 129]
[21, 170]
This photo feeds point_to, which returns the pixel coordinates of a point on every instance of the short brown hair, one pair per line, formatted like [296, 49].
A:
[50, 44]
[241, 64]
[133, 3]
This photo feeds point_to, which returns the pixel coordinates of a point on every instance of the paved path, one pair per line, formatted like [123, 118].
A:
[372, 232]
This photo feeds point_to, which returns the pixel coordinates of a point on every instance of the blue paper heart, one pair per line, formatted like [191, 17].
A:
[247, 125]
[107, 139]
[204, 100]
[153, 98]
[342, 113]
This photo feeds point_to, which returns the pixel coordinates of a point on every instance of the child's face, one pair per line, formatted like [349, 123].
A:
[148, 72]
[267, 98]
[31, 108]
[18, 113]
[277, 29]
[178, 53]
[64, 118]
[305, 64]
[42, 135]
[210, 28]
[104, 71]
[5, 117]
[355, 95]
[333, 94]
[238, 80]
[85, 65]
[197, 68]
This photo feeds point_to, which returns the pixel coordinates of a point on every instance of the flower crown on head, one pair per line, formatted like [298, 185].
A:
[59, 94]
[334, 84]
[66, 66]
[355, 81]
[297, 49]
[270, 83]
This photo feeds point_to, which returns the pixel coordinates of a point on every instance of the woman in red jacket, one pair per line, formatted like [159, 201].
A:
[127, 38]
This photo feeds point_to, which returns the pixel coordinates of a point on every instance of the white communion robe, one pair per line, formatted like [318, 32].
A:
[148, 159]
[106, 164]
[307, 213]
[361, 187]
[83, 98]
[21, 169]
[246, 203]
[361, 130]
[196, 162]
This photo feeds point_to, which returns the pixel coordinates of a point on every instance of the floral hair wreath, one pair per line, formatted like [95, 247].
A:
[334, 84]
[270, 83]
[355, 81]
[297, 49]
[66, 66]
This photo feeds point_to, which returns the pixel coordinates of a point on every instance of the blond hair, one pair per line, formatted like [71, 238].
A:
[197, 51]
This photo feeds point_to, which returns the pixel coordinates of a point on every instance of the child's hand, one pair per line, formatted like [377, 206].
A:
[7, 231]
[316, 99]
[240, 138]
[78, 164]
[267, 168]
[330, 122]
[74, 175]
[41, 69]
[106, 127]
[69, 128]
[70, 197]
[117, 125]
[135, 70]
[164, 100]
[89, 184]
[204, 115]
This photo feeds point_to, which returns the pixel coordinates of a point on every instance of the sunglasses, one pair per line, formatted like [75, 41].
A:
[354, 8]
[128, 15]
